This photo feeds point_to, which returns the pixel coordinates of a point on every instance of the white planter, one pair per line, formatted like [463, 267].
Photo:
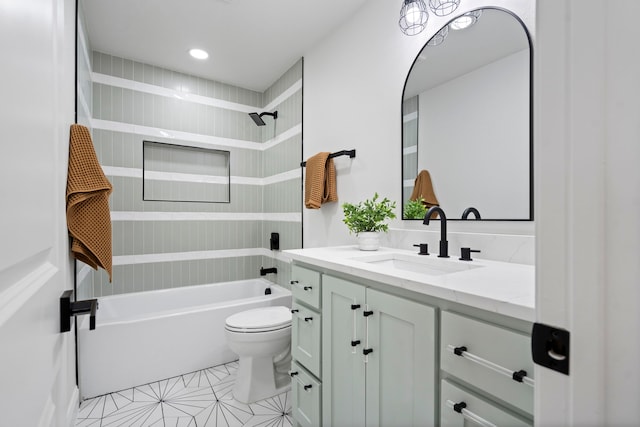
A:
[369, 241]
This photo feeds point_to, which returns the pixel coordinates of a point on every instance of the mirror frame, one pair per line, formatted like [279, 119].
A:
[528, 35]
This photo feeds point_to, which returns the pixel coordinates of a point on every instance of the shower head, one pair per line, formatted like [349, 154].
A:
[257, 118]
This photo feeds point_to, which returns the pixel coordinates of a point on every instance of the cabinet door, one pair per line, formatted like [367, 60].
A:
[306, 392]
[401, 370]
[461, 408]
[305, 337]
[343, 370]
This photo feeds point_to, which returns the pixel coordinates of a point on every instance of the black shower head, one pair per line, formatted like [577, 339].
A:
[257, 118]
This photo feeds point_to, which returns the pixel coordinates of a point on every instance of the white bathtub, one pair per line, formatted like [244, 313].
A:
[149, 336]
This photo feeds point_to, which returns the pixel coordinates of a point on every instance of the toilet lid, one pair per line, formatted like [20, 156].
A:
[260, 319]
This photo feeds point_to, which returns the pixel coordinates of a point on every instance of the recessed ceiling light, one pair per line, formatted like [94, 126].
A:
[198, 54]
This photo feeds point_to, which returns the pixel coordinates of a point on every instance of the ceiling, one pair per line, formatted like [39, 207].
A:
[251, 43]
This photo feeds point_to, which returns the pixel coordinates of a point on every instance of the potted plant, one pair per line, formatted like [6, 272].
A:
[367, 219]
[415, 209]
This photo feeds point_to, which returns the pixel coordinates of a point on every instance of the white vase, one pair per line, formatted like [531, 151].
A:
[369, 241]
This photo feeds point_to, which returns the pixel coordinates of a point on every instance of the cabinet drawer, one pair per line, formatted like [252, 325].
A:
[306, 337]
[474, 411]
[305, 285]
[492, 355]
[306, 396]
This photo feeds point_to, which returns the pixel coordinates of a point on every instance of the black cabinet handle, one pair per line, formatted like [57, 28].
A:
[294, 282]
[308, 386]
[367, 313]
[459, 350]
[458, 407]
[294, 311]
[355, 343]
[355, 306]
[308, 319]
[307, 288]
[366, 351]
[293, 374]
[519, 375]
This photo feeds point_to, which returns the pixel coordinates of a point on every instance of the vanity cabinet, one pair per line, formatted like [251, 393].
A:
[378, 357]
[306, 324]
[370, 353]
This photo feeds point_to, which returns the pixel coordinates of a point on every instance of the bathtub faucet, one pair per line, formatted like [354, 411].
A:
[265, 271]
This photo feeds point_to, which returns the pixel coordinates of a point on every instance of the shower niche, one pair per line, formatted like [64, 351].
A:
[185, 173]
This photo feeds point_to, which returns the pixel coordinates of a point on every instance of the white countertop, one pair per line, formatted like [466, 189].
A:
[500, 287]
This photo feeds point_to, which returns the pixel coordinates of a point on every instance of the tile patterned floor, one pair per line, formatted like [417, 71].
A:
[197, 399]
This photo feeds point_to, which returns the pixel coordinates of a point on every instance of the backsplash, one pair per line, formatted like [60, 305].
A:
[515, 248]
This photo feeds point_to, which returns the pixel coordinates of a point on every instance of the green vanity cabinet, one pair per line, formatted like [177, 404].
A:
[378, 357]
[368, 353]
[306, 330]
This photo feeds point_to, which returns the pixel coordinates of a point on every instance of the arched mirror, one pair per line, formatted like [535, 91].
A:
[466, 110]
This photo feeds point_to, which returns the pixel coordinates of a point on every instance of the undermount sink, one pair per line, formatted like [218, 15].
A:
[428, 264]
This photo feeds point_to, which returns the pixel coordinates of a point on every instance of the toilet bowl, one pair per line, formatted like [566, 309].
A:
[261, 338]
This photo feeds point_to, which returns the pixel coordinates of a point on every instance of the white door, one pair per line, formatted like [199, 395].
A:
[587, 195]
[37, 362]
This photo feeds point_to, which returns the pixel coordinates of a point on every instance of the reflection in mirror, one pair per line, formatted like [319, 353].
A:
[466, 121]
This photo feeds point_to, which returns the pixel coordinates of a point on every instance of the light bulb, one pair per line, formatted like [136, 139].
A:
[198, 54]
[413, 14]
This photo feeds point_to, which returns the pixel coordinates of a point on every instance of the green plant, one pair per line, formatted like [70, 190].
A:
[369, 215]
[415, 209]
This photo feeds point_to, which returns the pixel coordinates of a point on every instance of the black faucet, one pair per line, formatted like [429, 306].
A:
[265, 271]
[444, 244]
[470, 210]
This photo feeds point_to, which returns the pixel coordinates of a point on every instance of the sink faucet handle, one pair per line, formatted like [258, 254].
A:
[424, 248]
[465, 254]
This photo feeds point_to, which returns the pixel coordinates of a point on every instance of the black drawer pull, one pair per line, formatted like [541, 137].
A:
[308, 386]
[355, 306]
[459, 350]
[294, 282]
[355, 343]
[308, 319]
[458, 407]
[307, 288]
[366, 351]
[519, 375]
[293, 374]
[367, 313]
[294, 311]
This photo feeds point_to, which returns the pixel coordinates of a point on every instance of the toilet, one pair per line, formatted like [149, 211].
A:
[261, 338]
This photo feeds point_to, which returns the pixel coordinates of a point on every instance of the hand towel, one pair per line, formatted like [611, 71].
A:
[423, 187]
[320, 181]
[88, 216]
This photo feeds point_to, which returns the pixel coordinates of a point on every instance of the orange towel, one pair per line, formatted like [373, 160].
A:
[88, 216]
[423, 187]
[320, 181]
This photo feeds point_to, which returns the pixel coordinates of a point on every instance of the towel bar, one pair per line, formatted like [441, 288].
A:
[350, 153]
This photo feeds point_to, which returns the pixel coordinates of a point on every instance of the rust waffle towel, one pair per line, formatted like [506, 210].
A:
[423, 187]
[320, 181]
[88, 217]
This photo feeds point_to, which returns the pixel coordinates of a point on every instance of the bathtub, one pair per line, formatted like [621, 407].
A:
[149, 336]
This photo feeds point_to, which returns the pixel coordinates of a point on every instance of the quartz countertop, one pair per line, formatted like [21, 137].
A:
[500, 287]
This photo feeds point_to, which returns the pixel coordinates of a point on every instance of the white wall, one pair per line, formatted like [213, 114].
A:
[352, 99]
[486, 134]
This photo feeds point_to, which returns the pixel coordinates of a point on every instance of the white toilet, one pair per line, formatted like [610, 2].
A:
[261, 338]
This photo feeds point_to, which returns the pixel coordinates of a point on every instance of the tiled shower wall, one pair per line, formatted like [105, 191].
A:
[409, 146]
[162, 244]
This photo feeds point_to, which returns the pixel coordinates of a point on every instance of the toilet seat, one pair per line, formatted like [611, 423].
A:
[264, 319]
